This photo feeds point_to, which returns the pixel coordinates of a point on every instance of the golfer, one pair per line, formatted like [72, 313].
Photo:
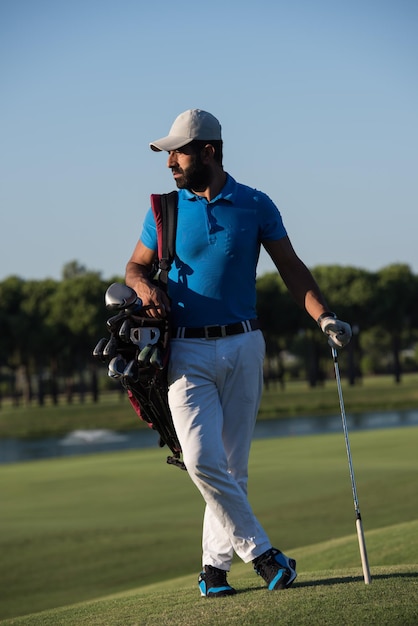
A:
[215, 372]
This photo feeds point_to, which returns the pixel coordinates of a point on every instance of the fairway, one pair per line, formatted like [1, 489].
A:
[82, 528]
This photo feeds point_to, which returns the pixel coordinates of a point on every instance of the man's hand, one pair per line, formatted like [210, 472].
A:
[339, 333]
[155, 302]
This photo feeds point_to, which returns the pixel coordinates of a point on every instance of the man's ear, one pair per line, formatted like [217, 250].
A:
[207, 153]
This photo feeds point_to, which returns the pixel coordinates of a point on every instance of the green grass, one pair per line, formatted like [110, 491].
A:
[82, 528]
[29, 422]
[114, 411]
[330, 597]
[373, 393]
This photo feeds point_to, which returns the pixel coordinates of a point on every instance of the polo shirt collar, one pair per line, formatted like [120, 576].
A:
[228, 191]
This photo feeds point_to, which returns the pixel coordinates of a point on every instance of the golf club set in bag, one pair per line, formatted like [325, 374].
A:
[137, 356]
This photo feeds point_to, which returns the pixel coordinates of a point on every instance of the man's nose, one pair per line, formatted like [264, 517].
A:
[172, 160]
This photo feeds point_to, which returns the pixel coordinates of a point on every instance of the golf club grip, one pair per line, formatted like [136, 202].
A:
[363, 551]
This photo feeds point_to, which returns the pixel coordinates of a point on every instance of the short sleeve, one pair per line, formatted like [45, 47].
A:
[149, 231]
[271, 223]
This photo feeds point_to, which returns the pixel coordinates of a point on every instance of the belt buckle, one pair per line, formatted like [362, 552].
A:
[212, 332]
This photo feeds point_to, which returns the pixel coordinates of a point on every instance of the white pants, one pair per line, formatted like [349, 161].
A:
[215, 388]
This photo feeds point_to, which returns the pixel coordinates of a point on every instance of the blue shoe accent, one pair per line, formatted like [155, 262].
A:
[212, 583]
[278, 570]
[280, 574]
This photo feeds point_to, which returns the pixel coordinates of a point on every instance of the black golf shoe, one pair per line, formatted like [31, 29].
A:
[213, 584]
[276, 569]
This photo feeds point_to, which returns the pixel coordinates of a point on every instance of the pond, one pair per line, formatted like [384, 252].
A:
[95, 441]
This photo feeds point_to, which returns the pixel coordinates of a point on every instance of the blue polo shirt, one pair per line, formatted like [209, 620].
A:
[213, 277]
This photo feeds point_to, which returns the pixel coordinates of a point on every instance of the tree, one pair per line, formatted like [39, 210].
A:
[280, 318]
[351, 292]
[73, 269]
[41, 337]
[14, 327]
[79, 315]
[395, 307]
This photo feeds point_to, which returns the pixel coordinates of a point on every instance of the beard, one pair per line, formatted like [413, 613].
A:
[196, 177]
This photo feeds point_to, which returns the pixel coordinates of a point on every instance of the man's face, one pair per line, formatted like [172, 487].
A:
[188, 169]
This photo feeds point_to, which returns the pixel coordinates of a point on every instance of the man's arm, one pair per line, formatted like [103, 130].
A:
[297, 277]
[137, 276]
[304, 289]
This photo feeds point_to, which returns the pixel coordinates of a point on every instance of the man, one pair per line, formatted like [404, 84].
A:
[217, 349]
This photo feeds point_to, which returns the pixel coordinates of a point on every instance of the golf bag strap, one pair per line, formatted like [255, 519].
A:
[164, 208]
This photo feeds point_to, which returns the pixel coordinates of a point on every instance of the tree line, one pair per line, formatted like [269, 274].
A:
[50, 327]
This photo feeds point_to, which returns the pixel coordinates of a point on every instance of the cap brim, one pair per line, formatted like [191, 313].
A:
[171, 142]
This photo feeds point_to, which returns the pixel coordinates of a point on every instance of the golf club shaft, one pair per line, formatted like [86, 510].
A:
[359, 524]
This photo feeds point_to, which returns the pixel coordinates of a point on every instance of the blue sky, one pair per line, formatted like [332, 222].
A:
[318, 101]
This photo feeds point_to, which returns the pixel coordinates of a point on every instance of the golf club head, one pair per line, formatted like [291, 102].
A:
[116, 367]
[131, 371]
[98, 350]
[156, 359]
[114, 322]
[110, 349]
[120, 297]
[125, 331]
[144, 356]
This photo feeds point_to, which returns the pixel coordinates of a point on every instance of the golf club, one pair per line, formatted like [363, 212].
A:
[116, 367]
[125, 331]
[121, 297]
[98, 350]
[359, 524]
[111, 348]
[131, 371]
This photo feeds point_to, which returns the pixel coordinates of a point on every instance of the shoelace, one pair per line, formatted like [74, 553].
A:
[268, 566]
[215, 577]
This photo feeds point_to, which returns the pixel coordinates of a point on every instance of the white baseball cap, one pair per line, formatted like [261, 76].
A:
[190, 125]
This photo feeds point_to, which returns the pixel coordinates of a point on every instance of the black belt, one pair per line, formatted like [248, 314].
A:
[216, 332]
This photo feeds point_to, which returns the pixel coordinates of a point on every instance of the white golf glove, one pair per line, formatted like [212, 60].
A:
[339, 333]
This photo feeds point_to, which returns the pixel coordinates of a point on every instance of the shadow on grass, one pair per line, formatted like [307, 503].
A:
[354, 579]
[338, 581]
